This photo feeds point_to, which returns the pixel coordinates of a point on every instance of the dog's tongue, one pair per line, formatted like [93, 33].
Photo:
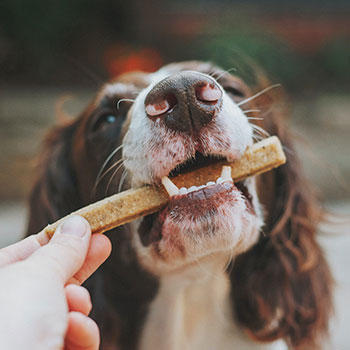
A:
[173, 190]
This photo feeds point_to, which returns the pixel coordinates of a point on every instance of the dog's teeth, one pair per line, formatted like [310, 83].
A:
[226, 173]
[170, 187]
[220, 180]
[192, 188]
[183, 190]
[210, 183]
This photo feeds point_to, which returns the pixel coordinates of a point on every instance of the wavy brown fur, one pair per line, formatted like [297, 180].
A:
[281, 288]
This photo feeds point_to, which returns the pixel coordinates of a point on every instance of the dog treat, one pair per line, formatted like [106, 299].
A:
[129, 205]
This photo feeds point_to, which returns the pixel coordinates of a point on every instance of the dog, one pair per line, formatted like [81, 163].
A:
[223, 266]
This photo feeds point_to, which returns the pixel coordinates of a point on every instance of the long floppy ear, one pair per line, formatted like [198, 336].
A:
[281, 288]
[55, 192]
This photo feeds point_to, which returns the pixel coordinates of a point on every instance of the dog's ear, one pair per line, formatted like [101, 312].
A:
[55, 193]
[281, 288]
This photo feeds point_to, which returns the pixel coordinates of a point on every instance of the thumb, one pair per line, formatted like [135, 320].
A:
[66, 252]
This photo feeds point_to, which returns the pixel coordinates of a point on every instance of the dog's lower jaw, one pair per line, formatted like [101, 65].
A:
[182, 251]
[192, 311]
[186, 231]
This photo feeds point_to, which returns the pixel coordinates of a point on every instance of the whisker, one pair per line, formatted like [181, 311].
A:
[268, 111]
[259, 135]
[252, 118]
[107, 171]
[107, 160]
[226, 72]
[212, 72]
[251, 110]
[124, 100]
[257, 138]
[229, 261]
[112, 177]
[258, 94]
[122, 179]
[260, 129]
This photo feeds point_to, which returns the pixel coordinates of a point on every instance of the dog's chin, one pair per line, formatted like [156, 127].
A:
[218, 219]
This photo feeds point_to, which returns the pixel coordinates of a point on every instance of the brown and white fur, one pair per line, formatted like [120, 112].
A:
[226, 266]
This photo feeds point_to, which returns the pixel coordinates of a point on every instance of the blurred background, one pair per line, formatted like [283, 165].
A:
[56, 54]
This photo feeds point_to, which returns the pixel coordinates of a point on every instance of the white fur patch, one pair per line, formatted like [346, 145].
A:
[192, 312]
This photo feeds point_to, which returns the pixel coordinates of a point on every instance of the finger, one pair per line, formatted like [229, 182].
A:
[99, 251]
[20, 250]
[78, 299]
[64, 255]
[82, 333]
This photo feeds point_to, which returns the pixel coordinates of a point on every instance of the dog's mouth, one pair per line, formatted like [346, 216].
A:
[198, 161]
[200, 202]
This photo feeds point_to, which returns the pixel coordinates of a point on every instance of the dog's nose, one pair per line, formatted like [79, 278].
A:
[185, 101]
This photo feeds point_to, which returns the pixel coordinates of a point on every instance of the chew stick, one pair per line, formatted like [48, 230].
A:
[129, 205]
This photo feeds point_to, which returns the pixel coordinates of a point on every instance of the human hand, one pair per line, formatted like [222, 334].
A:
[42, 305]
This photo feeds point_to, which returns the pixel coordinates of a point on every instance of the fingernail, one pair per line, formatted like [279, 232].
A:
[74, 225]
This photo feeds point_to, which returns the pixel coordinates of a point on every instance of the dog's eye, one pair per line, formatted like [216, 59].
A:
[104, 120]
[109, 119]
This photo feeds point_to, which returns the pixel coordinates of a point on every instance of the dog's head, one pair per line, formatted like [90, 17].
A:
[142, 128]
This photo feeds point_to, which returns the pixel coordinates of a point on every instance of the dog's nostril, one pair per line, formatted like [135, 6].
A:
[162, 106]
[208, 93]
